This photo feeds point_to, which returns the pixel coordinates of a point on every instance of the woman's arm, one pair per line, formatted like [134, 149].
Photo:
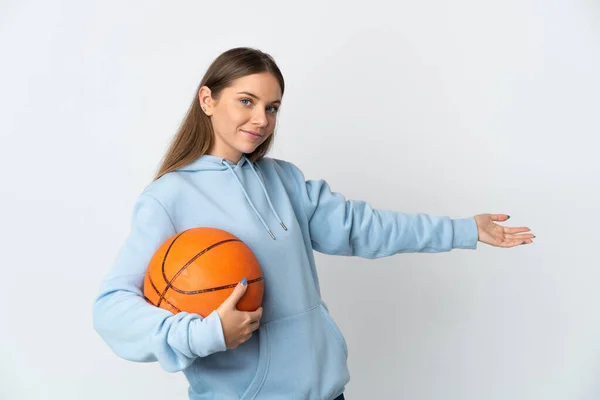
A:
[354, 228]
[136, 330]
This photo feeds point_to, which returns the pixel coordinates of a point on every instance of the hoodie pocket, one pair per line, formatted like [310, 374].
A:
[335, 329]
[303, 356]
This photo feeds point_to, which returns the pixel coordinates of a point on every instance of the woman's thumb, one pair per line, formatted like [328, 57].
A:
[237, 293]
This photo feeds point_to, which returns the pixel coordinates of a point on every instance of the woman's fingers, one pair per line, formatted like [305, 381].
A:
[253, 320]
[516, 230]
[254, 316]
[520, 236]
[515, 242]
[254, 325]
[499, 217]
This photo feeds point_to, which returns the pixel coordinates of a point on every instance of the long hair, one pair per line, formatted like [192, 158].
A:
[195, 135]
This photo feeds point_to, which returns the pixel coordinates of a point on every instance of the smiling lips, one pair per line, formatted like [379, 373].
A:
[253, 135]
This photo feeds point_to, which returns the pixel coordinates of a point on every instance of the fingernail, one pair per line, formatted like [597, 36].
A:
[533, 235]
[508, 217]
[244, 281]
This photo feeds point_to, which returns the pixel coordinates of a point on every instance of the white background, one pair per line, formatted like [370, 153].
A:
[449, 108]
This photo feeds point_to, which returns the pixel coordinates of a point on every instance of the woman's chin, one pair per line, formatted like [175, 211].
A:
[247, 148]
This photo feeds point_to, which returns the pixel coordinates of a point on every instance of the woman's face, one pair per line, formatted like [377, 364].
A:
[244, 115]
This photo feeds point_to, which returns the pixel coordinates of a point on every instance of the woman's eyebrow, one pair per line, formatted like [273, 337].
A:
[256, 97]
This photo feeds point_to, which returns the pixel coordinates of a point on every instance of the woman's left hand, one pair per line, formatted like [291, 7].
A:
[500, 236]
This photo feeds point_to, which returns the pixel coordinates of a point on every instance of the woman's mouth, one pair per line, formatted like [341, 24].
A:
[252, 135]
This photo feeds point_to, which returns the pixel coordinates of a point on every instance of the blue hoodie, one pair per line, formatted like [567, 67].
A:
[298, 352]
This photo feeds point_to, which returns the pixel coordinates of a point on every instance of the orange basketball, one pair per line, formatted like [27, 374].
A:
[197, 269]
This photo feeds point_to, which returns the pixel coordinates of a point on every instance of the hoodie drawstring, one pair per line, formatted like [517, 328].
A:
[250, 201]
[266, 195]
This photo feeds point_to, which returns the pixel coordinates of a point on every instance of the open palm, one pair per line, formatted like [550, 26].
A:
[500, 236]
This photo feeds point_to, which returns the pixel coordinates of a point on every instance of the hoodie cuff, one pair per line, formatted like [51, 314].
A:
[466, 233]
[206, 335]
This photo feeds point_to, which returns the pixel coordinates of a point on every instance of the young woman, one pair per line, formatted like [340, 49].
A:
[216, 174]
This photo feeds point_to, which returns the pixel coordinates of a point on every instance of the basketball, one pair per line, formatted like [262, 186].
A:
[196, 270]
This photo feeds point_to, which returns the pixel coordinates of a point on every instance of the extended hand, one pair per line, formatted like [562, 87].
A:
[500, 236]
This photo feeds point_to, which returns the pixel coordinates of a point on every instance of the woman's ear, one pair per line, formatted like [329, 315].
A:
[204, 96]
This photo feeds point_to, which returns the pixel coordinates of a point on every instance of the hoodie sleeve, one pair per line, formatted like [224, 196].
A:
[354, 228]
[136, 330]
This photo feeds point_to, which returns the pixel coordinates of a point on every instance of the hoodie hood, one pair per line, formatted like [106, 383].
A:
[209, 162]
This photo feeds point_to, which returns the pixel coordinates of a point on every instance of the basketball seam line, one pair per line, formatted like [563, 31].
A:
[169, 282]
[158, 293]
[161, 296]
[196, 257]
[232, 285]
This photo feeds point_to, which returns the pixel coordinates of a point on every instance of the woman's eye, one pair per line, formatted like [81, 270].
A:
[271, 109]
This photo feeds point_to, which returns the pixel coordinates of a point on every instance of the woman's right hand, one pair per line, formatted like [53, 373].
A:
[237, 325]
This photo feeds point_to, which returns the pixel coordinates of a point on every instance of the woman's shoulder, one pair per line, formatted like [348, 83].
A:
[166, 188]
